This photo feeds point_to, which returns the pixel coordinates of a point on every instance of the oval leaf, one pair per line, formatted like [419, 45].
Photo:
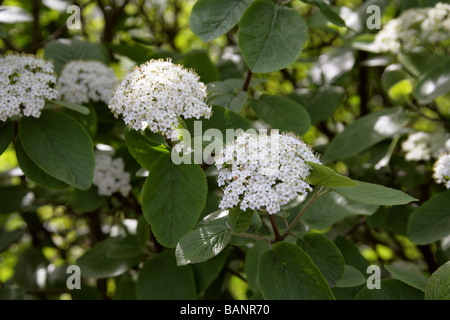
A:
[210, 19]
[60, 146]
[433, 83]
[287, 273]
[324, 176]
[391, 289]
[431, 221]
[282, 113]
[271, 37]
[239, 220]
[202, 244]
[352, 278]
[412, 278]
[153, 282]
[326, 256]
[438, 286]
[375, 194]
[173, 198]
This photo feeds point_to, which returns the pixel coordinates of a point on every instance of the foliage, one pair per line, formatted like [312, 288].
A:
[306, 67]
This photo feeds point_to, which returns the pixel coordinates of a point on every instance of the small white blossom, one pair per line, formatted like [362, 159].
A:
[81, 81]
[263, 172]
[414, 29]
[26, 81]
[441, 170]
[110, 175]
[156, 93]
[417, 147]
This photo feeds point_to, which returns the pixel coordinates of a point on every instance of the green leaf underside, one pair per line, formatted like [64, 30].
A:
[210, 19]
[431, 221]
[6, 135]
[438, 286]
[287, 273]
[324, 176]
[173, 198]
[271, 37]
[282, 113]
[375, 194]
[409, 277]
[60, 146]
[202, 244]
[154, 283]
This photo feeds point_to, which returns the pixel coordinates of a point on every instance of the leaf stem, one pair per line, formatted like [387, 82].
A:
[297, 218]
[251, 236]
[248, 77]
[275, 228]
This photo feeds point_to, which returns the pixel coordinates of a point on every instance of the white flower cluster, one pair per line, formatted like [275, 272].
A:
[414, 29]
[110, 176]
[417, 146]
[26, 81]
[156, 93]
[441, 170]
[81, 81]
[263, 172]
[424, 146]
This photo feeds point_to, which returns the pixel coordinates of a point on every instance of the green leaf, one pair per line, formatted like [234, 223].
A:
[352, 278]
[226, 94]
[320, 103]
[60, 146]
[154, 283]
[375, 194]
[9, 237]
[34, 172]
[207, 271]
[328, 12]
[282, 113]
[142, 232]
[73, 106]
[97, 262]
[86, 201]
[418, 63]
[3, 32]
[202, 244]
[325, 255]
[351, 254]
[202, 65]
[431, 221]
[287, 273]
[210, 19]
[173, 198]
[142, 147]
[123, 251]
[125, 288]
[11, 198]
[437, 287]
[62, 51]
[251, 264]
[332, 207]
[364, 133]
[271, 37]
[412, 278]
[221, 119]
[434, 83]
[253, 228]
[239, 220]
[136, 52]
[6, 135]
[323, 176]
[391, 289]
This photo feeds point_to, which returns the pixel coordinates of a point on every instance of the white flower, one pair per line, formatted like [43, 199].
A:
[414, 29]
[81, 81]
[156, 94]
[417, 146]
[263, 172]
[26, 81]
[441, 170]
[110, 175]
